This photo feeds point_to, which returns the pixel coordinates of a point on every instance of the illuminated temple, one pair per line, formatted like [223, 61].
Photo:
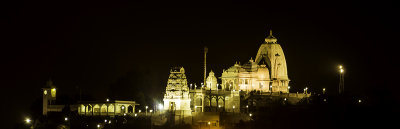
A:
[243, 88]
[219, 101]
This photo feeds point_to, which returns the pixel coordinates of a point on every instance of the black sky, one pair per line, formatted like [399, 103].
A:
[93, 45]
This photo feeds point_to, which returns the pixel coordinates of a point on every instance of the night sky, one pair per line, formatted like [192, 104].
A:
[131, 46]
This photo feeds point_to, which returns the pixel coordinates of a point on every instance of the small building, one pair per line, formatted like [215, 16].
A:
[92, 108]
[106, 108]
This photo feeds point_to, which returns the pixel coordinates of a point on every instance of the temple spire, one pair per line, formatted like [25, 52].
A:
[270, 38]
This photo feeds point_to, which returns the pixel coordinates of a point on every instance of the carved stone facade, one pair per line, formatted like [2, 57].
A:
[268, 73]
[177, 91]
[211, 81]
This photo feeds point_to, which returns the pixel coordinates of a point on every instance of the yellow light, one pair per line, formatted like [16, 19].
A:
[340, 66]
[108, 100]
[135, 115]
[140, 111]
[233, 107]
[45, 92]
[341, 70]
[160, 106]
[54, 89]
[98, 125]
[209, 123]
[66, 118]
[250, 114]
[359, 101]
[27, 120]
[151, 110]
[105, 121]
[147, 107]
[323, 89]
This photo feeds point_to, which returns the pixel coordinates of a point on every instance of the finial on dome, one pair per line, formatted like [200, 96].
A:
[270, 38]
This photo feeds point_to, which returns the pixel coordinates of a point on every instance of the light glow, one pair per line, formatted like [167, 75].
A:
[27, 120]
[160, 106]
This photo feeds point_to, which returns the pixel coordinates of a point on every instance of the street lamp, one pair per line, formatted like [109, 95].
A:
[146, 109]
[323, 90]
[28, 121]
[341, 79]
[270, 88]
[305, 90]
[108, 100]
[160, 107]
[250, 114]
[66, 118]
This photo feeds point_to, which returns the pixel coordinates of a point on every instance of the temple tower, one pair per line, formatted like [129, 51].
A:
[49, 95]
[271, 53]
[211, 81]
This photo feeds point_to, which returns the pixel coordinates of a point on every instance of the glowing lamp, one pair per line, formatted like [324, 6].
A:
[27, 120]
